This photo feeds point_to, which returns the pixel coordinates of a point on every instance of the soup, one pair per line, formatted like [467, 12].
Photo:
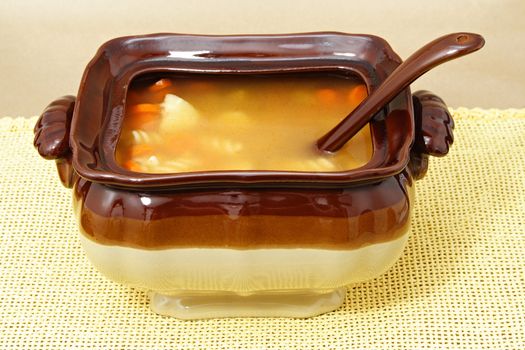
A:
[271, 122]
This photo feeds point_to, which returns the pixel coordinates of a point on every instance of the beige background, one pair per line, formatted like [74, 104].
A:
[45, 45]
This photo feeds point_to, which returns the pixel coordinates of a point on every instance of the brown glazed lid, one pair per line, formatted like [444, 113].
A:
[99, 108]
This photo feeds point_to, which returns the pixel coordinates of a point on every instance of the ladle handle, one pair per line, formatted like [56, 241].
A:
[439, 51]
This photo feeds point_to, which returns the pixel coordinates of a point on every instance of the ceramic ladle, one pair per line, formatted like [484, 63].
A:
[439, 51]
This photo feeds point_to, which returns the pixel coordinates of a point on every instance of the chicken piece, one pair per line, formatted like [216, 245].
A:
[177, 115]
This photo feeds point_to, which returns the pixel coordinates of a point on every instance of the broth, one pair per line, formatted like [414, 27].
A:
[201, 123]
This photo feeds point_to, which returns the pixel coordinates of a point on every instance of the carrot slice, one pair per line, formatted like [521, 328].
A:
[144, 108]
[326, 96]
[133, 166]
[141, 150]
[357, 94]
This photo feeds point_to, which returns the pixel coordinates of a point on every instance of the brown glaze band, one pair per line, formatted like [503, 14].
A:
[245, 218]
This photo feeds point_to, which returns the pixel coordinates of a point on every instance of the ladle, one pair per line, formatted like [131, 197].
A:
[439, 51]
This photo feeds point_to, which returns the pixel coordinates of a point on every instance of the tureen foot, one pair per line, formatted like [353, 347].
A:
[298, 304]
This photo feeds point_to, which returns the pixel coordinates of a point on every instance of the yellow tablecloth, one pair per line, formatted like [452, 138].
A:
[460, 283]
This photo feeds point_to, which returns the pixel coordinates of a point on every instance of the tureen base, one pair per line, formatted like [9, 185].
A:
[297, 304]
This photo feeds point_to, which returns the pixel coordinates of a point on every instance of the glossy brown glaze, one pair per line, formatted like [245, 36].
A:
[435, 124]
[52, 128]
[100, 108]
[434, 135]
[52, 136]
[243, 218]
[240, 209]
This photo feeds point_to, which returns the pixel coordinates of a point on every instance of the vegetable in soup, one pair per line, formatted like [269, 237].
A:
[271, 122]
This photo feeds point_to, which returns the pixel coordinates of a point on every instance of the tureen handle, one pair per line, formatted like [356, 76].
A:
[52, 136]
[433, 134]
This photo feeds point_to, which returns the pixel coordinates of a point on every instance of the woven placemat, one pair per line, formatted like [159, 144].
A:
[460, 283]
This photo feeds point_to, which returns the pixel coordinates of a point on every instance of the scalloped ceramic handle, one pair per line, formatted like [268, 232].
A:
[436, 52]
[52, 136]
[433, 132]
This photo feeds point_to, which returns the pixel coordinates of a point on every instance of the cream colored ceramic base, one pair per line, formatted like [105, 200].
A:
[193, 283]
[296, 304]
[244, 272]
